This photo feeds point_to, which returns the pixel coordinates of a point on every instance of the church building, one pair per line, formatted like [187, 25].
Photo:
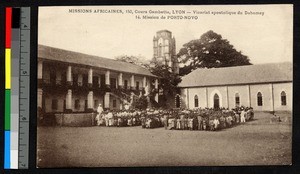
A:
[264, 87]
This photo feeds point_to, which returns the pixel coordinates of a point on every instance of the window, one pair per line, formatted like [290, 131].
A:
[283, 98]
[77, 104]
[95, 81]
[259, 99]
[166, 42]
[63, 78]
[113, 83]
[114, 103]
[84, 80]
[52, 77]
[85, 105]
[125, 84]
[102, 80]
[137, 85]
[196, 101]
[96, 103]
[54, 104]
[237, 100]
[75, 79]
[160, 50]
[65, 105]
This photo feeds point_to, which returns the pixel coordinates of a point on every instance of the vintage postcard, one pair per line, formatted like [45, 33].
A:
[192, 85]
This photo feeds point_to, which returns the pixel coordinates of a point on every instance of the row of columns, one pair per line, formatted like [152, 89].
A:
[90, 96]
[90, 77]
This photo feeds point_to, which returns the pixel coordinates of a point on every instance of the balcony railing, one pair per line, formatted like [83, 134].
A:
[53, 84]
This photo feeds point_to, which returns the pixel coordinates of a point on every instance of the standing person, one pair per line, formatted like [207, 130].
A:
[99, 109]
[126, 107]
[178, 123]
[98, 119]
[190, 123]
[243, 116]
[200, 122]
[166, 119]
[216, 123]
[182, 122]
[99, 112]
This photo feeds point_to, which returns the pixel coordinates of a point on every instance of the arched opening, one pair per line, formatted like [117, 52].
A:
[177, 101]
[196, 101]
[216, 101]
[237, 100]
[160, 50]
[259, 99]
[283, 98]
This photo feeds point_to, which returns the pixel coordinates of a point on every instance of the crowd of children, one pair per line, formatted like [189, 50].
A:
[177, 119]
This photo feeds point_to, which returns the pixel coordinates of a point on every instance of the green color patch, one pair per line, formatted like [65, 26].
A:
[7, 110]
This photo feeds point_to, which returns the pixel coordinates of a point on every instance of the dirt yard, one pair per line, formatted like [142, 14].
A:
[258, 142]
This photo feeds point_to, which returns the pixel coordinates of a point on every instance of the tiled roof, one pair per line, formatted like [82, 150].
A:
[56, 54]
[250, 74]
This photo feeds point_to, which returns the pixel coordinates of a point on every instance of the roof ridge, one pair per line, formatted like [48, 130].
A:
[96, 58]
[238, 66]
[247, 74]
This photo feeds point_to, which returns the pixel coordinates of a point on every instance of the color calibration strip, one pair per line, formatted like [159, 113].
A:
[17, 63]
[7, 118]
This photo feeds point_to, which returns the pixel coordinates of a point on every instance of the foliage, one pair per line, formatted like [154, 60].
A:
[211, 50]
[168, 79]
[140, 102]
[136, 60]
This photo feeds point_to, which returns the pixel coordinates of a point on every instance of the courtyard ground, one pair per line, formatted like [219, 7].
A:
[258, 142]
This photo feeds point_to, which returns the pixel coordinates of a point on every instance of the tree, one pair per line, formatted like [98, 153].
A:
[136, 60]
[168, 81]
[211, 50]
[140, 103]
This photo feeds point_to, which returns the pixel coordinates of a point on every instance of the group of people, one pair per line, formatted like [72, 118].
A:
[119, 118]
[209, 119]
[176, 119]
[198, 119]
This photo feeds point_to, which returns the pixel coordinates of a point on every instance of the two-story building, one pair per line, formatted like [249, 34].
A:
[70, 81]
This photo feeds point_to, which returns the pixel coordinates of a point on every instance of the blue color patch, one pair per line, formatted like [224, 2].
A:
[7, 150]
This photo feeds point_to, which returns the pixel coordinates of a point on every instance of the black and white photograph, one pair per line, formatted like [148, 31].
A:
[168, 85]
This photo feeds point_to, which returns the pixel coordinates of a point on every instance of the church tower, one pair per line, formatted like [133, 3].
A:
[164, 50]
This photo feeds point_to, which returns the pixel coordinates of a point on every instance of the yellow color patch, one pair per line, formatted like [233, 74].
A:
[7, 68]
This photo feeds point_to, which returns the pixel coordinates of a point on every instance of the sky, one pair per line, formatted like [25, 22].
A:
[265, 35]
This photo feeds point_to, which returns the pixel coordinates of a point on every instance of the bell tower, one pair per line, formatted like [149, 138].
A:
[164, 50]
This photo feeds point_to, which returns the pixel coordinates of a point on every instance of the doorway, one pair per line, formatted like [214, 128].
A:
[216, 101]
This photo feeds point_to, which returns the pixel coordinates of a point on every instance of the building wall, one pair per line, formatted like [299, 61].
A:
[266, 91]
[201, 93]
[243, 93]
[48, 102]
[46, 72]
[100, 100]
[81, 98]
[288, 89]
[140, 80]
[184, 98]
[222, 93]
[118, 103]
[247, 94]
[127, 77]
